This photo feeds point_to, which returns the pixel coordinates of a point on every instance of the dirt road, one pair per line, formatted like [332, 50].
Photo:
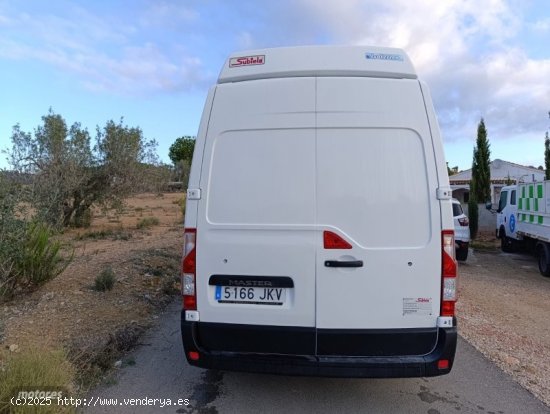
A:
[504, 311]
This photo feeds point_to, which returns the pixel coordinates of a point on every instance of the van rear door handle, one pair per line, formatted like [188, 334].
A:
[346, 263]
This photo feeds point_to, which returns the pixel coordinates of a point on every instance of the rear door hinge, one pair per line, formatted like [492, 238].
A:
[444, 193]
[193, 193]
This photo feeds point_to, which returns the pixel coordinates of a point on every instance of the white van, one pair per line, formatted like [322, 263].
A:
[319, 228]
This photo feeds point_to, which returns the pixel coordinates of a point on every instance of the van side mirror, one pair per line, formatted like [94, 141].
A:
[489, 206]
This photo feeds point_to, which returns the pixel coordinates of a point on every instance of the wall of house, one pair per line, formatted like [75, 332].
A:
[487, 221]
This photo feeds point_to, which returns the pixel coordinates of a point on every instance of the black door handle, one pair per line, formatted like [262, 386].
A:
[347, 263]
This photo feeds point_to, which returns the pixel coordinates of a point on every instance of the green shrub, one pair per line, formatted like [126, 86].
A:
[12, 232]
[29, 256]
[105, 280]
[147, 222]
[41, 258]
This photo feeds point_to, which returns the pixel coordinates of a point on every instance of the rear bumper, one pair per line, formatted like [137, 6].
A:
[287, 363]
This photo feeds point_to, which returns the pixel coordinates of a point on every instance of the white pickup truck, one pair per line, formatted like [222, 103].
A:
[523, 220]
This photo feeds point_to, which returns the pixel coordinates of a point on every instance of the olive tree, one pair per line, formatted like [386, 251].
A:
[70, 174]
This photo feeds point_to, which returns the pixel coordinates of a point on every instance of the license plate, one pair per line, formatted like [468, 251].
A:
[250, 295]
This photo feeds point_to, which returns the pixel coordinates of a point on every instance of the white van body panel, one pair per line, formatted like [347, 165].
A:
[191, 206]
[445, 209]
[257, 214]
[329, 165]
[375, 170]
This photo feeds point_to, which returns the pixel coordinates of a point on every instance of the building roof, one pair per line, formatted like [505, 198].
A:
[500, 172]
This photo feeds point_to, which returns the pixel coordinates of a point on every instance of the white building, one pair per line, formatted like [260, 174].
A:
[501, 173]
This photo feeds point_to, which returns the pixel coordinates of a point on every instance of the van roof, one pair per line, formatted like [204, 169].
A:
[366, 61]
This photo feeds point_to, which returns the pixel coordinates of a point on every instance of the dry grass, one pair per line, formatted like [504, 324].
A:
[36, 368]
[147, 222]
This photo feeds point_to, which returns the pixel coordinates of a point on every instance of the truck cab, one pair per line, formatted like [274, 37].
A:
[506, 227]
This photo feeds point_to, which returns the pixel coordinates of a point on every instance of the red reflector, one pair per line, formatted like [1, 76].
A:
[333, 241]
[449, 265]
[189, 262]
[448, 308]
[189, 302]
[443, 364]
[194, 355]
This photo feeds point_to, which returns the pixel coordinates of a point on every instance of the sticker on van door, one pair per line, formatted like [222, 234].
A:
[417, 306]
[512, 223]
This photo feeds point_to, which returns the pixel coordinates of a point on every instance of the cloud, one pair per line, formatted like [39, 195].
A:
[137, 65]
[104, 52]
[165, 13]
[541, 26]
[470, 53]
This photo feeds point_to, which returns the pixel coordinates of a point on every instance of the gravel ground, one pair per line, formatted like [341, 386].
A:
[504, 311]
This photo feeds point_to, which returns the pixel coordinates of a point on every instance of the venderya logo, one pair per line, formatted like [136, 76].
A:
[384, 56]
[246, 61]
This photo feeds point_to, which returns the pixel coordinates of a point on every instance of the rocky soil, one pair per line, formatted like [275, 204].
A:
[504, 311]
[96, 327]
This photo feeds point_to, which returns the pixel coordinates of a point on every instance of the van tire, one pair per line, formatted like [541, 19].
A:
[461, 254]
[543, 258]
[506, 243]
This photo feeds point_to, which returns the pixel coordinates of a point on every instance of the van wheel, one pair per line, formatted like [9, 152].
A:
[543, 256]
[506, 243]
[462, 254]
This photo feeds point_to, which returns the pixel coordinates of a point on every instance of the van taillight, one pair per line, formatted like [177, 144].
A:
[333, 241]
[463, 221]
[448, 273]
[189, 270]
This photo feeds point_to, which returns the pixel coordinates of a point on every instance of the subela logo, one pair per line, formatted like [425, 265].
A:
[247, 61]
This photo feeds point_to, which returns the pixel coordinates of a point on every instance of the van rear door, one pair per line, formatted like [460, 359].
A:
[376, 189]
[256, 218]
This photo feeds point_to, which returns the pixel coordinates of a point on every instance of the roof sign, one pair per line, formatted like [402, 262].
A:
[246, 61]
[384, 56]
[317, 61]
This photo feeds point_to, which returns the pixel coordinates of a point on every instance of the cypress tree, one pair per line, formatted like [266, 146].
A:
[481, 172]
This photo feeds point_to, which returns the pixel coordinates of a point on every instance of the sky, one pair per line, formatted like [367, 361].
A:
[152, 62]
